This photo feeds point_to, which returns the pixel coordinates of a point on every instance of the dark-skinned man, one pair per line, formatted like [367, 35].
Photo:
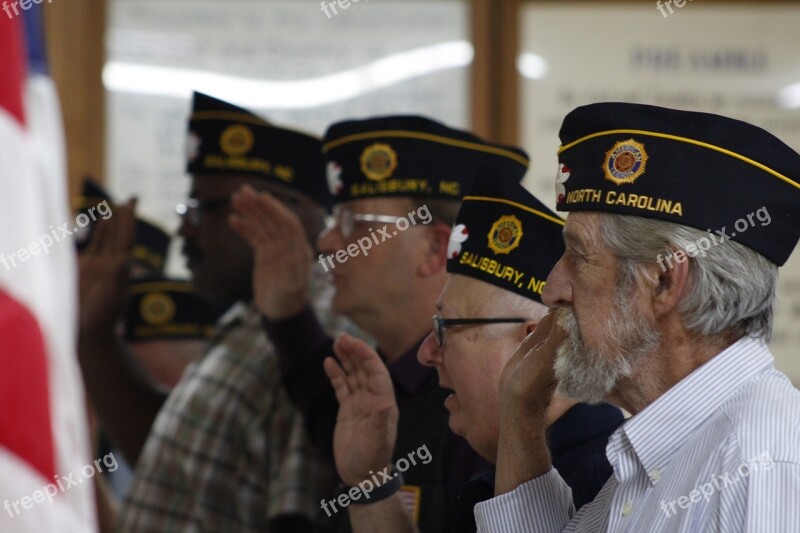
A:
[227, 450]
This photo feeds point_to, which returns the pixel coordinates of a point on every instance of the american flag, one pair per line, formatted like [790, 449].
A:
[43, 432]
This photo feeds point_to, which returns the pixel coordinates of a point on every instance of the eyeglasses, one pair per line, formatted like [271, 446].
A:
[439, 324]
[192, 210]
[346, 220]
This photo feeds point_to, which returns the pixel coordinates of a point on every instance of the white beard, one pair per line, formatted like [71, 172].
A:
[589, 374]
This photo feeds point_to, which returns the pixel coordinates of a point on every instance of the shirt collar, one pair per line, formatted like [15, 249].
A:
[408, 372]
[239, 312]
[659, 430]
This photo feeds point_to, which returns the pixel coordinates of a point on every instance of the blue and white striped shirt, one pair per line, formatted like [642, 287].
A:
[718, 452]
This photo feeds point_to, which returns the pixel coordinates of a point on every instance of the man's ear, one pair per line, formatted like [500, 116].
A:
[435, 251]
[671, 285]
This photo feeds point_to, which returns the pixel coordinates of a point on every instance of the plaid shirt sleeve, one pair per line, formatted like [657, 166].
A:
[228, 451]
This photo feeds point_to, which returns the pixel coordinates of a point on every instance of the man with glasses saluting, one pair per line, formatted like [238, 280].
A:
[503, 245]
[383, 172]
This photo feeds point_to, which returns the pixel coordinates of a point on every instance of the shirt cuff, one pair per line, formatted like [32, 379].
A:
[297, 336]
[541, 505]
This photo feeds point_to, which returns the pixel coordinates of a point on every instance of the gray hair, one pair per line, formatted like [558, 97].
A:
[731, 288]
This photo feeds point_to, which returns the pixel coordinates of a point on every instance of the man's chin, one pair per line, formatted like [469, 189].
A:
[455, 426]
[343, 305]
[583, 383]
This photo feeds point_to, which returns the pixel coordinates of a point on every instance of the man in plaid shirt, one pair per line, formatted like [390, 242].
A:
[227, 450]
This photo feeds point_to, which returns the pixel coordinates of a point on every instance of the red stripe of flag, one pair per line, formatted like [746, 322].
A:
[24, 389]
[12, 66]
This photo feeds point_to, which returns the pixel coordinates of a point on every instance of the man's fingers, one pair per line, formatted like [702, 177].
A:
[542, 331]
[115, 234]
[365, 363]
[347, 363]
[263, 220]
[246, 218]
[250, 227]
[540, 351]
[537, 338]
[241, 227]
[542, 347]
[127, 227]
[274, 212]
[364, 367]
[556, 335]
[529, 373]
[548, 323]
[244, 202]
[259, 209]
[342, 347]
[98, 238]
[337, 378]
[371, 368]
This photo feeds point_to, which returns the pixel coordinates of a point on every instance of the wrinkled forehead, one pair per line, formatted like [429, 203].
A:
[466, 295]
[582, 231]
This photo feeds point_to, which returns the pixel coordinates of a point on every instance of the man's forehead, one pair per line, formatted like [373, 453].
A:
[461, 292]
[452, 292]
[581, 228]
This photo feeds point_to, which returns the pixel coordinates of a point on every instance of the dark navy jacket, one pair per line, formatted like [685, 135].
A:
[577, 443]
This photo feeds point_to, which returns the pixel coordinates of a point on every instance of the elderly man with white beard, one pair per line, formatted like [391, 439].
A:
[714, 440]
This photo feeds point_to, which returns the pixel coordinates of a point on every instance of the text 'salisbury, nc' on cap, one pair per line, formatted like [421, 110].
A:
[695, 169]
[230, 141]
[411, 156]
[505, 236]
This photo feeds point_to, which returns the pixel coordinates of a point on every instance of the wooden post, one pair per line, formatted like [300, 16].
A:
[75, 32]
[495, 82]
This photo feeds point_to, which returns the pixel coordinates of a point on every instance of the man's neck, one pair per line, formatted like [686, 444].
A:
[678, 356]
[395, 339]
[399, 329]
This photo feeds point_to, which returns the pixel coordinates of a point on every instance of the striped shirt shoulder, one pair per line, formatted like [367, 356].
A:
[765, 416]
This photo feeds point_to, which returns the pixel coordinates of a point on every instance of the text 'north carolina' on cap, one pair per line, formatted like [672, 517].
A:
[695, 169]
